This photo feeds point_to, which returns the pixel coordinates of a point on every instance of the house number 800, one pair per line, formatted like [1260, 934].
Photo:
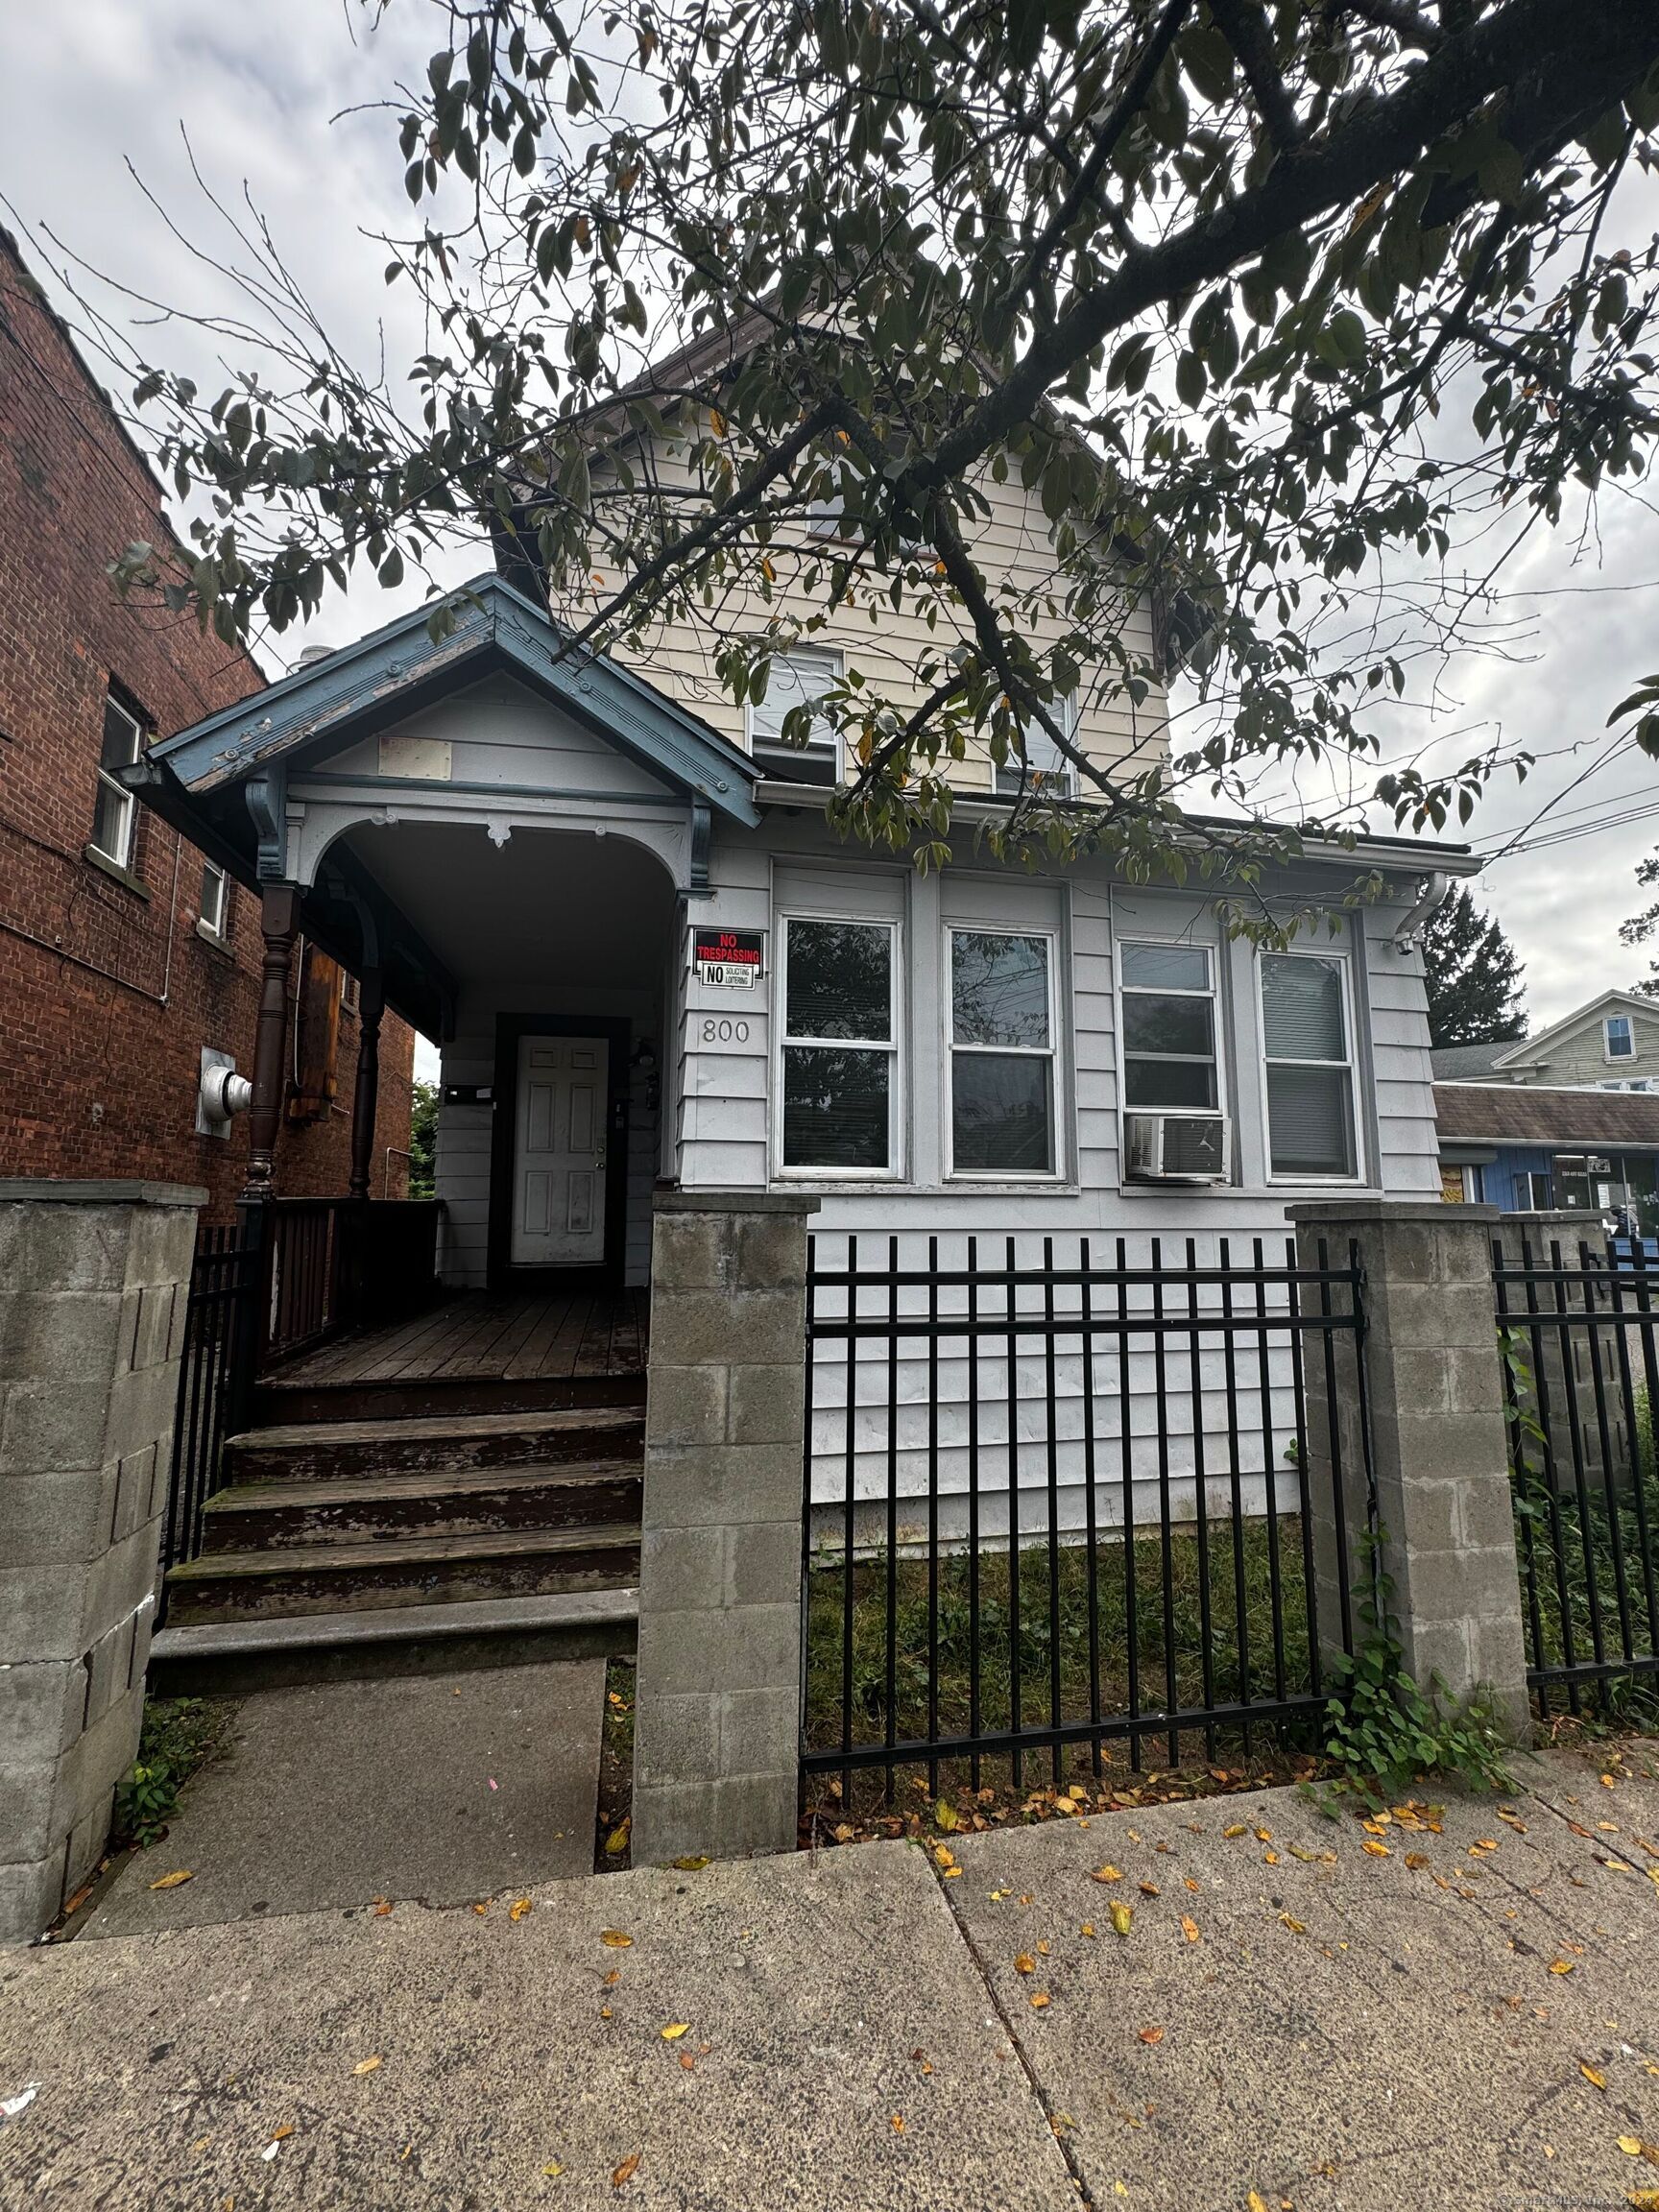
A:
[725, 1032]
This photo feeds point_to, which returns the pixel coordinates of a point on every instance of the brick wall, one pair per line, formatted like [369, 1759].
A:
[108, 991]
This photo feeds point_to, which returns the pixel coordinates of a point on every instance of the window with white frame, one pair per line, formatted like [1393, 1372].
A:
[839, 1047]
[1169, 1027]
[1535, 1191]
[1310, 1068]
[797, 678]
[1001, 1036]
[1619, 1037]
[1045, 770]
[114, 815]
[215, 902]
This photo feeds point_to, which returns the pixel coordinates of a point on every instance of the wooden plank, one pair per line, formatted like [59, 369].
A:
[488, 1323]
[487, 1356]
[527, 1362]
[403, 1353]
[560, 1356]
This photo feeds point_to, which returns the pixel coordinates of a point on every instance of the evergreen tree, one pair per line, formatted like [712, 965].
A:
[1473, 978]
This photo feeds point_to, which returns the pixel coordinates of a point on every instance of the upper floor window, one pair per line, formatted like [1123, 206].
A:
[214, 918]
[1045, 770]
[1305, 1030]
[1169, 1027]
[1619, 1037]
[797, 678]
[839, 1049]
[112, 820]
[1001, 1054]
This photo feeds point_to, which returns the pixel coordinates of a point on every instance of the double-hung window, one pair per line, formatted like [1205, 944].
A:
[214, 919]
[1169, 1027]
[797, 678]
[113, 816]
[1619, 1037]
[1002, 1037]
[840, 1074]
[1045, 770]
[1306, 1037]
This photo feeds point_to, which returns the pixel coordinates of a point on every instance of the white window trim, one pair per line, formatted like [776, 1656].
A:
[215, 930]
[107, 781]
[1608, 1055]
[1218, 1037]
[1068, 719]
[834, 1173]
[1350, 1030]
[1043, 1178]
[834, 749]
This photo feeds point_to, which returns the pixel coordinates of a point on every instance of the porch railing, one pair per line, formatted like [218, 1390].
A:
[287, 1277]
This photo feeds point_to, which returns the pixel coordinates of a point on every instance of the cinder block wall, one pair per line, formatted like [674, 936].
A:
[94, 1278]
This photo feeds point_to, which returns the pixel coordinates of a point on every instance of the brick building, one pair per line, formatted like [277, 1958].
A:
[124, 953]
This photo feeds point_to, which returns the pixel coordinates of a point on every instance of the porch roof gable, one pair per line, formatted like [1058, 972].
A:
[399, 668]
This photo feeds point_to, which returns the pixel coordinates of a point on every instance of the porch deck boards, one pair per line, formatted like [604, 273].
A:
[481, 1335]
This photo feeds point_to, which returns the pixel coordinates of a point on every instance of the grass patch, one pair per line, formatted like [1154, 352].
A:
[1187, 1624]
[178, 1736]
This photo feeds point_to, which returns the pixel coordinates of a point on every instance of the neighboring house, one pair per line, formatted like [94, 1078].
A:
[1540, 1148]
[1611, 1043]
[130, 957]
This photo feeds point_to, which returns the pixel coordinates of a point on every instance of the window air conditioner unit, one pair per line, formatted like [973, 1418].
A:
[1176, 1147]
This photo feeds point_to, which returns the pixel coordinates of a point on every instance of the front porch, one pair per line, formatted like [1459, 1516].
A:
[483, 1336]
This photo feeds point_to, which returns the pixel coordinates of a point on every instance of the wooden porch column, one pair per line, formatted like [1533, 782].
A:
[371, 1006]
[278, 918]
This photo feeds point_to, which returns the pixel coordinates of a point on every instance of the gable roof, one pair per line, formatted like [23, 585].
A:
[1543, 1113]
[1449, 1062]
[399, 668]
[1529, 1049]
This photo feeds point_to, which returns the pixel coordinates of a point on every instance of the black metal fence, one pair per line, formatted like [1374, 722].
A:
[286, 1277]
[1055, 1504]
[1581, 1368]
[215, 1379]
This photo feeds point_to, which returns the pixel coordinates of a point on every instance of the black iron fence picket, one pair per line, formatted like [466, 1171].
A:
[1055, 1504]
[215, 1373]
[1577, 1325]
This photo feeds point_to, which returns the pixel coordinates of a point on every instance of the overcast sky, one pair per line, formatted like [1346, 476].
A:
[87, 88]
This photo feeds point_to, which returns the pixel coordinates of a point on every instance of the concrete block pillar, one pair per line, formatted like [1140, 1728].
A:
[94, 1280]
[717, 1710]
[1439, 1441]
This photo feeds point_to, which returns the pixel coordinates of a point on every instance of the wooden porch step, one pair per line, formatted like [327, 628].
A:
[280, 1403]
[401, 1571]
[332, 1451]
[377, 1508]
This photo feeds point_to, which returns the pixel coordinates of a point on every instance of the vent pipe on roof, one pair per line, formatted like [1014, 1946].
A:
[1429, 895]
[310, 653]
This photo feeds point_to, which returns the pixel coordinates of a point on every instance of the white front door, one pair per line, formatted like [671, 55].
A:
[559, 1152]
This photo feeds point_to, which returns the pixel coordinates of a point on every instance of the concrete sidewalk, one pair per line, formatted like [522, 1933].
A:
[1376, 2032]
[441, 1787]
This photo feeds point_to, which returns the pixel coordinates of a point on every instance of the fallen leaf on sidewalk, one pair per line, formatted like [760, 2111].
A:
[695, 1866]
[173, 1881]
[615, 1938]
[1151, 2034]
[898, 2123]
[517, 1911]
[1190, 1928]
[1024, 1963]
[1123, 1918]
[1107, 1874]
[364, 2065]
[553, 2170]
[616, 1843]
[1593, 2075]
[1561, 1967]
[1149, 1889]
[1295, 1926]
[626, 2172]
[675, 2030]
[1255, 2202]
[1038, 2001]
